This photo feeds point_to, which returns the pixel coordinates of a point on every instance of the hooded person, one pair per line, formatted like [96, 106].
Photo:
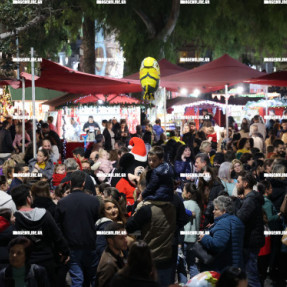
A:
[131, 166]
[42, 230]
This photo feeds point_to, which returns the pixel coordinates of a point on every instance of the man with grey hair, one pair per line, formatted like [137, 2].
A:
[72, 166]
[201, 160]
[261, 126]
[257, 138]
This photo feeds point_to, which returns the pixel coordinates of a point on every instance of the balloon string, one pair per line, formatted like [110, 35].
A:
[151, 128]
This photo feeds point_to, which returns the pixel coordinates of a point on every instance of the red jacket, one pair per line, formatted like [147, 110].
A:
[125, 187]
[57, 178]
[213, 136]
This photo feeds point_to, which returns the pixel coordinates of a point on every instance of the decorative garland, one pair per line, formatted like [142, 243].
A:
[202, 103]
[92, 105]
[269, 103]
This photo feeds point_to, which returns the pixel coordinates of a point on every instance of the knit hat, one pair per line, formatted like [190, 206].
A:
[138, 149]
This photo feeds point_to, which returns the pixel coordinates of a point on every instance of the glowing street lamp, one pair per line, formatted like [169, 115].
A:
[183, 91]
[196, 92]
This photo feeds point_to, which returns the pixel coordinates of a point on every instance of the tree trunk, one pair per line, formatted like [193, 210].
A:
[89, 45]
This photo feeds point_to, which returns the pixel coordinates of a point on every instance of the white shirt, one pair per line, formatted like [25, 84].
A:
[6, 201]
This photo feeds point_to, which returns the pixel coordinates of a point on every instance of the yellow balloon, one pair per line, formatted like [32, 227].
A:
[149, 77]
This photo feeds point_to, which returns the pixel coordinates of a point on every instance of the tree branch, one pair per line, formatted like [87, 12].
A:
[30, 24]
[147, 22]
[171, 22]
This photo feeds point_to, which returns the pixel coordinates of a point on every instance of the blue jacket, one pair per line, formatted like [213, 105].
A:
[158, 130]
[159, 183]
[101, 242]
[225, 242]
[182, 167]
[15, 182]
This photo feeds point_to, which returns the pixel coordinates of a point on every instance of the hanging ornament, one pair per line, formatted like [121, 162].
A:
[149, 77]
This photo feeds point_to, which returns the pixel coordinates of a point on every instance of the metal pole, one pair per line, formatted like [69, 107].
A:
[266, 106]
[226, 105]
[164, 108]
[18, 64]
[23, 115]
[33, 103]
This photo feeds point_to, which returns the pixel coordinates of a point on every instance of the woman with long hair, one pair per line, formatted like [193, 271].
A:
[244, 130]
[209, 186]
[244, 146]
[42, 197]
[224, 174]
[232, 123]
[184, 161]
[42, 164]
[187, 136]
[192, 202]
[139, 270]
[110, 211]
[109, 136]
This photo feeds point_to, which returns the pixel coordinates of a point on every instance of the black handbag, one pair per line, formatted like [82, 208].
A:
[202, 254]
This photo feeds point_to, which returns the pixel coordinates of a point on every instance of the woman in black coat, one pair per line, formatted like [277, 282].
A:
[19, 270]
[139, 271]
[210, 187]
[41, 196]
[109, 136]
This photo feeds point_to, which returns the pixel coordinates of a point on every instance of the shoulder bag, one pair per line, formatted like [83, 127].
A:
[202, 254]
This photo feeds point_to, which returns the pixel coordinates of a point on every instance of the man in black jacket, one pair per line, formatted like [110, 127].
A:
[41, 229]
[71, 167]
[76, 215]
[251, 215]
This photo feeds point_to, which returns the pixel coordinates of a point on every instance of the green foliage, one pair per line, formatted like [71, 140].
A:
[224, 26]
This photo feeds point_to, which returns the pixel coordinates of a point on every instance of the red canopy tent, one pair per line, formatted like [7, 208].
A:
[212, 76]
[112, 99]
[274, 79]
[59, 78]
[166, 69]
[13, 83]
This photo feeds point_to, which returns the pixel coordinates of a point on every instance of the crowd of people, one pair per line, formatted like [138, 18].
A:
[144, 209]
